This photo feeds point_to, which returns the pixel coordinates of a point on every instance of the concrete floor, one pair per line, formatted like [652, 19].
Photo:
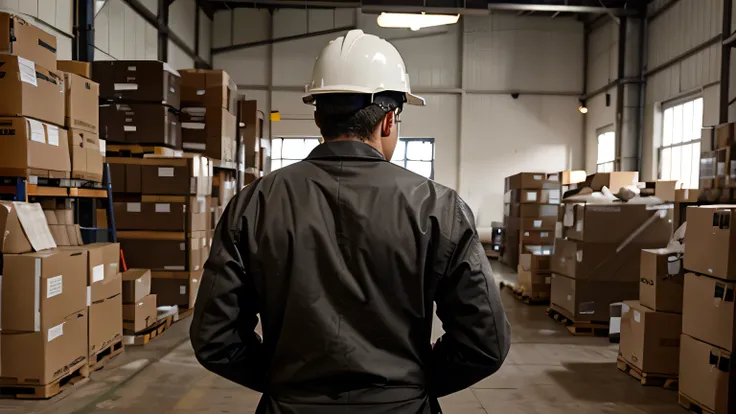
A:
[548, 371]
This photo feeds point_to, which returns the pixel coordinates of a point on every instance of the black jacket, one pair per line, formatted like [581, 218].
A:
[343, 256]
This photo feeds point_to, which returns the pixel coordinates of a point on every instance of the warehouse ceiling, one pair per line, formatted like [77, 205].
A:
[617, 7]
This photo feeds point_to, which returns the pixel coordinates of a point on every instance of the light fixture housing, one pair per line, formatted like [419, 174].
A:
[415, 21]
[583, 109]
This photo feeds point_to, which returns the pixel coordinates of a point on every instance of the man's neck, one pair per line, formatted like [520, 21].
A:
[373, 143]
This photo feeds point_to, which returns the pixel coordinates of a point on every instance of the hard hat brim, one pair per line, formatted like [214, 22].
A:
[310, 98]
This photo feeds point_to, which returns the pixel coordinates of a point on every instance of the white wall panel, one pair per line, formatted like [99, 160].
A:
[120, 33]
[247, 66]
[258, 27]
[682, 27]
[222, 30]
[599, 116]
[503, 136]
[602, 55]
[205, 36]
[533, 53]
[181, 20]
[178, 59]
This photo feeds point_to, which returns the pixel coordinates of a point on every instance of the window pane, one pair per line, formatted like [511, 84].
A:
[420, 167]
[667, 127]
[286, 163]
[677, 125]
[686, 166]
[606, 147]
[666, 164]
[676, 163]
[293, 149]
[399, 152]
[309, 145]
[276, 148]
[275, 164]
[697, 118]
[695, 182]
[687, 118]
[419, 150]
[400, 163]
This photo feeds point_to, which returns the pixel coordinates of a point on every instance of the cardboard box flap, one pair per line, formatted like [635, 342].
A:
[24, 225]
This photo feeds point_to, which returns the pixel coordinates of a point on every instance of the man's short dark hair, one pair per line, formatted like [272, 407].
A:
[353, 115]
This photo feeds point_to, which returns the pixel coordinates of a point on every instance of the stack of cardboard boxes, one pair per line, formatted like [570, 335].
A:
[707, 371]
[531, 204]
[251, 133]
[651, 326]
[32, 107]
[718, 163]
[140, 102]
[597, 260]
[44, 301]
[139, 305]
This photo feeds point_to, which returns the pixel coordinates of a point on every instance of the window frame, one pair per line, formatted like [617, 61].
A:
[671, 146]
[402, 141]
[598, 133]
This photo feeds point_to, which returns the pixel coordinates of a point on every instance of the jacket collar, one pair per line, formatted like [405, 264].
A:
[345, 149]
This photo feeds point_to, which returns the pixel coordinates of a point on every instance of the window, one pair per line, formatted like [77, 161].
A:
[414, 154]
[606, 149]
[679, 155]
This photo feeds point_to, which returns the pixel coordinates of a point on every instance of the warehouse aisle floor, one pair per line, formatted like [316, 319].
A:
[548, 371]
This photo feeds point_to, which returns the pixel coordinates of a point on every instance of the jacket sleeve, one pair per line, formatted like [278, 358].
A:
[225, 315]
[477, 333]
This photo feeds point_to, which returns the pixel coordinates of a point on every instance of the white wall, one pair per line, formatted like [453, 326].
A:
[678, 29]
[120, 33]
[54, 16]
[466, 72]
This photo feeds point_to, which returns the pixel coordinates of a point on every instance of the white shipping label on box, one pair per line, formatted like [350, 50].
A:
[126, 86]
[637, 316]
[538, 177]
[579, 255]
[163, 208]
[54, 286]
[98, 273]
[182, 290]
[27, 71]
[53, 135]
[182, 246]
[103, 147]
[544, 234]
[579, 226]
[197, 146]
[133, 207]
[37, 132]
[537, 224]
[130, 128]
[526, 234]
[547, 280]
[204, 242]
[193, 125]
[56, 332]
[165, 171]
[132, 68]
[531, 196]
[568, 220]
[200, 92]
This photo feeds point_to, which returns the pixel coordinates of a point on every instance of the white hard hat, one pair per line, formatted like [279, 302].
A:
[360, 63]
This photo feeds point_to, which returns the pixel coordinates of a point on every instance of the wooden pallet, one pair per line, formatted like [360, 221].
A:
[146, 336]
[520, 294]
[99, 361]
[577, 328]
[692, 405]
[141, 151]
[44, 392]
[669, 382]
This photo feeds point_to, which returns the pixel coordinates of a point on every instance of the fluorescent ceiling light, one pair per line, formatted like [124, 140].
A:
[415, 21]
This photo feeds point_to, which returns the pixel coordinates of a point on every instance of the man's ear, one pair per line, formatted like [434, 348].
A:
[387, 124]
[316, 120]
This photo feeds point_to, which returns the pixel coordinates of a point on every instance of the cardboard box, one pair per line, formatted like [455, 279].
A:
[172, 251]
[251, 132]
[138, 123]
[24, 228]
[613, 180]
[531, 210]
[227, 187]
[686, 195]
[31, 91]
[650, 340]
[86, 155]
[662, 189]
[597, 261]
[536, 237]
[105, 323]
[662, 280]
[20, 38]
[138, 81]
[42, 287]
[103, 272]
[83, 69]
[32, 147]
[535, 262]
[140, 315]
[529, 180]
[711, 241]
[38, 358]
[535, 285]
[539, 196]
[82, 103]
[704, 374]
[615, 223]
[165, 216]
[589, 300]
[211, 131]
[708, 310]
[125, 178]
[175, 176]
[568, 177]
[208, 88]
[136, 285]
[724, 135]
[176, 288]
